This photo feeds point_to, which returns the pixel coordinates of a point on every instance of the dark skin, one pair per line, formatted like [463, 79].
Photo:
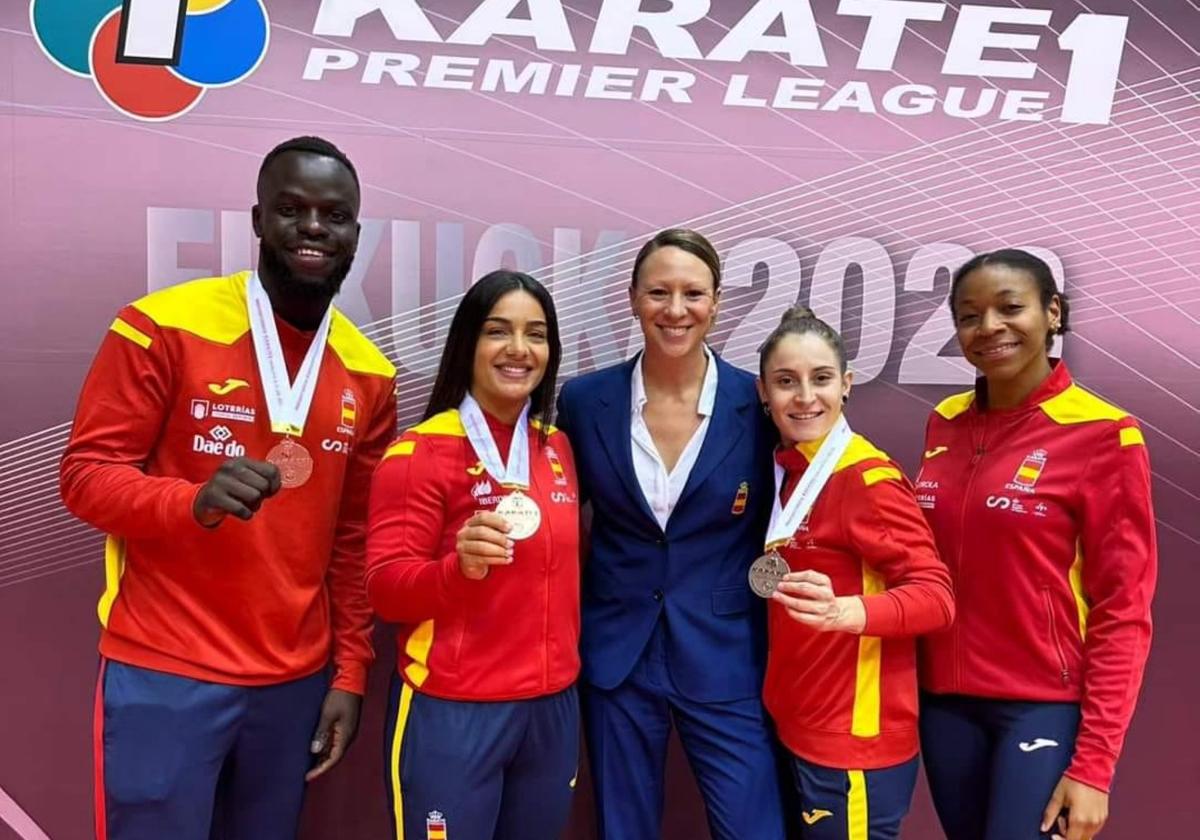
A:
[306, 220]
[1002, 327]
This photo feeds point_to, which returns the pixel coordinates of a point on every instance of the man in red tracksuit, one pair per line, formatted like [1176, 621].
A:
[232, 581]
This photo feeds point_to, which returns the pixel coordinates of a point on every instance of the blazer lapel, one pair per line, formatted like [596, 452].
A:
[729, 421]
[612, 427]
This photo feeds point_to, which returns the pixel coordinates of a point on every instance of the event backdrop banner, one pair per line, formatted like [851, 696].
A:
[849, 154]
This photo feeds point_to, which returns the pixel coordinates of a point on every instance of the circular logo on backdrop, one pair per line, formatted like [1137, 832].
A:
[153, 59]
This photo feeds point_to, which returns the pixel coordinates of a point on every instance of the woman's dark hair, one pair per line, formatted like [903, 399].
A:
[458, 356]
[1018, 260]
[800, 320]
[685, 240]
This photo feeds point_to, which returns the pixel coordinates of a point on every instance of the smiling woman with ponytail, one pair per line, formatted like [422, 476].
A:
[852, 575]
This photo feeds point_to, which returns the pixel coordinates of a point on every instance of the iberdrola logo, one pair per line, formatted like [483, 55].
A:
[153, 59]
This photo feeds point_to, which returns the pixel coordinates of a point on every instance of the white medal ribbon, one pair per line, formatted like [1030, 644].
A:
[514, 472]
[287, 402]
[784, 521]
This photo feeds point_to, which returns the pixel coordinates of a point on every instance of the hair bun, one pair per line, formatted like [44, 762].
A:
[797, 312]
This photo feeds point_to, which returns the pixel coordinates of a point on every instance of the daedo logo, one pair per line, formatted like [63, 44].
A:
[153, 59]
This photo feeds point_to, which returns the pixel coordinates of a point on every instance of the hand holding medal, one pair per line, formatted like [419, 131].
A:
[238, 487]
[809, 598]
[521, 513]
[482, 542]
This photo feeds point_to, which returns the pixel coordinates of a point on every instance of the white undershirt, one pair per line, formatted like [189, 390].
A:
[662, 489]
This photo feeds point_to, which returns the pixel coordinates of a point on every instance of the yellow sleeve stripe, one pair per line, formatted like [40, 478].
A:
[114, 569]
[418, 647]
[403, 447]
[126, 330]
[1132, 436]
[878, 474]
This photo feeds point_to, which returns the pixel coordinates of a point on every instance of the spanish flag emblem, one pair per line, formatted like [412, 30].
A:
[435, 826]
[740, 499]
[1030, 470]
[349, 408]
[556, 467]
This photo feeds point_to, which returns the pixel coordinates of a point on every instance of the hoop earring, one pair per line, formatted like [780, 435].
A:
[845, 398]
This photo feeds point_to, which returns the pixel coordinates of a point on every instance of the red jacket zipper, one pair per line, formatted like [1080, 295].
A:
[1062, 660]
[976, 460]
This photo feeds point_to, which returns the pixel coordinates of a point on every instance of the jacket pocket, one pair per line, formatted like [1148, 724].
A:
[1064, 671]
[731, 600]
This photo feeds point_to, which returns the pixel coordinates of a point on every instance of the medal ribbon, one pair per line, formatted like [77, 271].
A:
[785, 521]
[514, 473]
[287, 402]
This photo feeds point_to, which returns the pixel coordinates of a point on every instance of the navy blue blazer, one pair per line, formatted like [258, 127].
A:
[694, 574]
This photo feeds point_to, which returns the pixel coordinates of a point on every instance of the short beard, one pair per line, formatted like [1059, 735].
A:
[270, 259]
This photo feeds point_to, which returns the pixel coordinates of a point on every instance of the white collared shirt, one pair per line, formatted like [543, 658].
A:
[661, 488]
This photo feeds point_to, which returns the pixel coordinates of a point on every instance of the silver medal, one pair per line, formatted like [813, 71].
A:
[766, 572]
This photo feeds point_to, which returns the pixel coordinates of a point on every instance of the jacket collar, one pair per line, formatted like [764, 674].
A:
[1058, 381]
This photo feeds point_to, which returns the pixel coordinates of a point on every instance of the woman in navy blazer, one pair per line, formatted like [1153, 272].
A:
[675, 457]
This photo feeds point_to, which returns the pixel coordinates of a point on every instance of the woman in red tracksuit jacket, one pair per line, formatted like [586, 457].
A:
[475, 556]
[1039, 495]
[860, 579]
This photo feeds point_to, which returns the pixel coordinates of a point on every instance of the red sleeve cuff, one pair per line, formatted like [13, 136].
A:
[350, 676]
[882, 616]
[1093, 766]
[176, 508]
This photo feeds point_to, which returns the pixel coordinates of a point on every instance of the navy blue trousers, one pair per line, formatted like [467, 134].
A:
[480, 770]
[992, 764]
[181, 759]
[728, 746]
[853, 804]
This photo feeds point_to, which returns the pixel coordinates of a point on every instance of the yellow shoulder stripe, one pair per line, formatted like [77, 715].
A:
[355, 350]
[538, 424]
[400, 447]
[447, 423]
[859, 450]
[1132, 436]
[955, 405]
[213, 308]
[127, 330]
[1075, 405]
[878, 474]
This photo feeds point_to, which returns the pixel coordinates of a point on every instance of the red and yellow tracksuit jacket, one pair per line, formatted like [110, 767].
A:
[512, 635]
[1043, 514]
[838, 699]
[173, 393]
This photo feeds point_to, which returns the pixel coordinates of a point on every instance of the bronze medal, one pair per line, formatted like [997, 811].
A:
[294, 463]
